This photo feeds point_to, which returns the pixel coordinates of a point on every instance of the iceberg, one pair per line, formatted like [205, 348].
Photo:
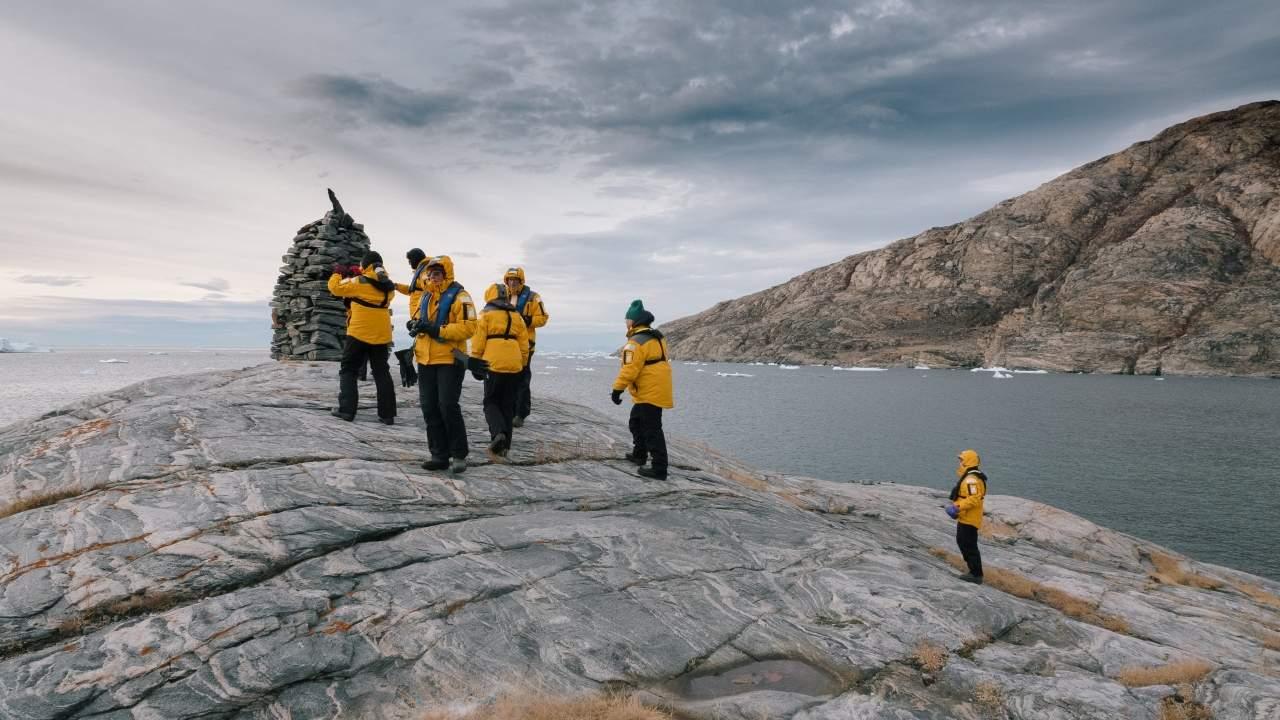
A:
[734, 374]
[921, 367]
[788, 367]
[115, 361]
[9, 346]
[1001, 376]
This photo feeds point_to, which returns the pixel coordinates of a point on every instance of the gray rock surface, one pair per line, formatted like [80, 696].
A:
[218, 546]
[308, 322]
[1162, 258]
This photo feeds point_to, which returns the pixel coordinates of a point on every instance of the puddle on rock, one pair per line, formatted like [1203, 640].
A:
[781, 675]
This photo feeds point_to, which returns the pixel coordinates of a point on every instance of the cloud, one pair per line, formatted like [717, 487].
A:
[53, 280]
[378, 100]
[60, 321]
[216, 285]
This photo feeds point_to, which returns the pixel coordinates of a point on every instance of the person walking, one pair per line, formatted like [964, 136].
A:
[646, 373]
[368, 335]
[502, 341]
[529, 304]
[446, 319]
[966, 510]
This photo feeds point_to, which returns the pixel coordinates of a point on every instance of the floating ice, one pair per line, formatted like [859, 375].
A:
[585, 369]
[114, 361]
[1000, 376]
[996, 369]
[788, 367]
[550, 367]
[701, 370]
[734, 374]
[921, 367]
[165, 353]
[857, 369]
[1031, 372]
[90, 371]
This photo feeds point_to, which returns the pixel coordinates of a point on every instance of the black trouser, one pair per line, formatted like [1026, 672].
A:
[967, 539]
[500, 402]
[354, 355]
[439, 387]
[646, 435]
[524, 400]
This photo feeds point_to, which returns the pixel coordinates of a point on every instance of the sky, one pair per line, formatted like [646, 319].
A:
[157, 158]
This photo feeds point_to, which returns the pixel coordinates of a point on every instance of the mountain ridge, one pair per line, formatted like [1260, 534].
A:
[1161, 258]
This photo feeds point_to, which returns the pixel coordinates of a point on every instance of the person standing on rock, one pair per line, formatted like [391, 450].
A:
[417, 285]
[446, 318]
[646, 373]
[529, 304]
[501, 340]
[368, 336]
[966, 510]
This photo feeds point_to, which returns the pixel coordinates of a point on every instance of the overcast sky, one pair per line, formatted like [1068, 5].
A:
[158, 157]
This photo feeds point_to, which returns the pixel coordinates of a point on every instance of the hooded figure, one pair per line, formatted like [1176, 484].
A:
[368, 336]
[446, 318]
[966, 509]
[502, 341]
[646, 373]
[529, 304]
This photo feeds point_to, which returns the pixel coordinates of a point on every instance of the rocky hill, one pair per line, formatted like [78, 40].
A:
[218, 546]
[1162, 258]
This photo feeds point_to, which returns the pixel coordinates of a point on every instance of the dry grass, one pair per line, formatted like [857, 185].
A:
[993, 529]
[1182, 705]
[929, 657]
[1022, 586]
[1270, 640]
[1258, 594]
[545, 707]
[1175, 673]
[1169, 570]
[974, 644]
[989, 698]
[38, 500]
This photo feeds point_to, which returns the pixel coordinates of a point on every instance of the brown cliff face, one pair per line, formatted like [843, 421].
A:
[1164, 257]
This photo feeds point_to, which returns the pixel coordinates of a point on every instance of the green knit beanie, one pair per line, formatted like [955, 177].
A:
[636, 311]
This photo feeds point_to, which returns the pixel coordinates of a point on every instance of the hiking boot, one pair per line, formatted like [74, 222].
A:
[459, 465]
[517, 421]
[637, 459]
[651, 473]
[975, 579]
[498, 442]
[387, 421]
[344, 416]
[435, 464]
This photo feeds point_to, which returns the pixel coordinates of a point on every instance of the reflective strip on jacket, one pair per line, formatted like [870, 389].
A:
[503, 355]
[648, 382]
[972, 491]
[367, 324]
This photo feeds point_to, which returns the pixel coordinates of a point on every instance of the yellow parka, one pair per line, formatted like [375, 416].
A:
[369, 317]
[461, 323]
[418, 287]
[970, 490]
[534, 312]
[501, 338]
[646, 371]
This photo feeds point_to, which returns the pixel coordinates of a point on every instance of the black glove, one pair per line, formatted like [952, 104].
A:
[616, 397]
[475, 364]
[432, 330]
[480, 374]
[408, 375]
[412, 327]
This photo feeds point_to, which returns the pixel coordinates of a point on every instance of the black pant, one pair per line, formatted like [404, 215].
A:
[354, 355]
[524, 400]
[646, 435]
[500, 402]
[439, 387]
[967, 539]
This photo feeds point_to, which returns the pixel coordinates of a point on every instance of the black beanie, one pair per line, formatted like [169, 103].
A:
[370, 258]
[415, 256]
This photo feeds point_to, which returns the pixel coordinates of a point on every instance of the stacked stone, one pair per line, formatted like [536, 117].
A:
[309, 322]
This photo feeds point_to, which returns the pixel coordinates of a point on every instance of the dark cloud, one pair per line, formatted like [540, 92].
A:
[53, 280]
[216, 285]
[380, 101]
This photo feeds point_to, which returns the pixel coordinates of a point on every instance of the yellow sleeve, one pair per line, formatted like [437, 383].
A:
[538, 317]
[404, 289]
[480, 338]
[522, 338]
[632, 364]
[462, 319]
[969, 500]
[339, 288]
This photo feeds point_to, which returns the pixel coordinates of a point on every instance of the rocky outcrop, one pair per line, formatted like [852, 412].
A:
[1164, 257]
[309, 323]
[218, 546]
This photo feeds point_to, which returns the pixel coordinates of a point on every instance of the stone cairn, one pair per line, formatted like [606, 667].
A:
[309, 322]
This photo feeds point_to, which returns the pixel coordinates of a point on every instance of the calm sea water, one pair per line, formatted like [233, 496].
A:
[1191, 463]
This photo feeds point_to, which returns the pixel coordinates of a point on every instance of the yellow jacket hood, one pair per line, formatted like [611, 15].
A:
[968, 461]
[516, 272]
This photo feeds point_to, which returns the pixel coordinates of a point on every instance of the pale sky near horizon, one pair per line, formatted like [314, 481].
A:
[159, 157]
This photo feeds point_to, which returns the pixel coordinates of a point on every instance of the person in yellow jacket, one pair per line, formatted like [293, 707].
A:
[502, 341]
[529, 304]
[446, 319]
[966, 510]
[368, 336]
[414, 289]
[646, 372]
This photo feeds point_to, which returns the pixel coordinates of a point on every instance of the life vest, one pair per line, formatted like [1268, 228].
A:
[523, 299]
[955, 491]
[386, 296]
[446, 303]
[505, 334]
[645, 336]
